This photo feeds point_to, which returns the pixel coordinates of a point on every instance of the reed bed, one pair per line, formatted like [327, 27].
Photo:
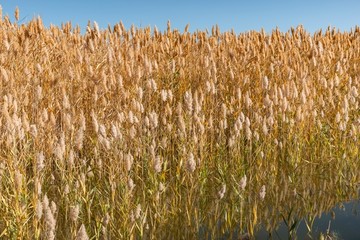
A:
[140, 134]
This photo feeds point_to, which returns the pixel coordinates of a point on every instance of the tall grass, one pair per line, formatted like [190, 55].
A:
[141, 134]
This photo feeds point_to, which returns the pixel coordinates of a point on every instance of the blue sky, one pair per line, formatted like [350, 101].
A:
[239, 15]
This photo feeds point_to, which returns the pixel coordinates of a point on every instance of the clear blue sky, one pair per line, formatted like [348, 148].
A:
[240, 15]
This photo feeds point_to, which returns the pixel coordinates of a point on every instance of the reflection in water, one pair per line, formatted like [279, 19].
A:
[307, 201]
[341, 222]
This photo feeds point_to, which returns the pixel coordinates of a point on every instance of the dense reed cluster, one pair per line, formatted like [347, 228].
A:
[140, 134]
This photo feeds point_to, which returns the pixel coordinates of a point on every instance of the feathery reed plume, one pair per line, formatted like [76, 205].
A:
[74, 213]
[222, 191]
[243, 182]
[81, 234]
[190, 163]
[17, 14]
[262, 192]
[49, 219]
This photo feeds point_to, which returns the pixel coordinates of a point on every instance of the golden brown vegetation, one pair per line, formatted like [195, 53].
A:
[129, 134]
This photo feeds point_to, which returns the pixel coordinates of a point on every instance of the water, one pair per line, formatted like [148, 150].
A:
[341, 222]
[345, 225]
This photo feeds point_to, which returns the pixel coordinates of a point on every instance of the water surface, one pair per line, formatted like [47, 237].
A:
[342, 221]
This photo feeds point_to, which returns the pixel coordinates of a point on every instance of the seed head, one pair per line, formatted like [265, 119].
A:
[129, 160]
[74, 213]
[138, 211]
[265, 82]
[262, 192]
[243, 182]
[40, 161]
[190, 164]
[81, 234]
[39, 209]
[222, 191]
[157, 164]
[18, 178]
[17, 14]
[131, 184]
